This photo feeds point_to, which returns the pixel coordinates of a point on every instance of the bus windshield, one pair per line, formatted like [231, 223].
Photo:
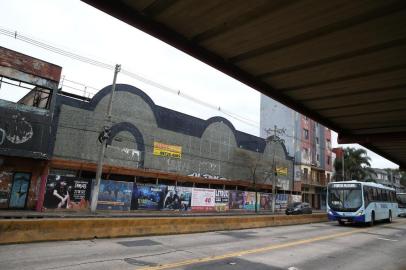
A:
[401, 198]
[345, 197]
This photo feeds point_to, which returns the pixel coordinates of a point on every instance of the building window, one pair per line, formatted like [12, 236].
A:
[318, 157]
[305, 173]
[317, 140]
[328, 142]
[306, 133]
[306, 153]
[328, 177]
[328, 160]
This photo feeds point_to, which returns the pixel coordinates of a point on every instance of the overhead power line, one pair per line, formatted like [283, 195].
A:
[87, 60]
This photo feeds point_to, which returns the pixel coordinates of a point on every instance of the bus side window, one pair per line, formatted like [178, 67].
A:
[366, 196]
[385, 195]
[375, 194]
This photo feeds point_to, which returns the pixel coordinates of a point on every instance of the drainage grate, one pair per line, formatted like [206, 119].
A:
[139, 243]
[139, 262]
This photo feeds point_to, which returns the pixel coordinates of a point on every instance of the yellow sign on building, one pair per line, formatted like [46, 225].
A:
[283, 171]
[167, 150]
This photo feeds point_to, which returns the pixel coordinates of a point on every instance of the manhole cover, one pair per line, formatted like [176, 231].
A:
[139, 243]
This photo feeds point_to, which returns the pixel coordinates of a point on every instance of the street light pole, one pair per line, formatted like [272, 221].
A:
[103, 139]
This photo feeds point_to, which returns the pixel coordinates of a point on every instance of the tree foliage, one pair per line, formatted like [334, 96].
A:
[357, 165]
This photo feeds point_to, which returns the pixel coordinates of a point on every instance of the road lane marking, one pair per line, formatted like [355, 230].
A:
[251, 251]
[386, 239]
[263, 249]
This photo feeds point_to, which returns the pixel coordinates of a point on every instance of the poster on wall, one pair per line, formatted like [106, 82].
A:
[5, 187]
[281, 202]
[167, 150]
[295, 198]
[115, 195]
[148, 196]
[236, 199]
[178, 198]
[221, 200]
[282, 171]
[265, 201]
[67, 192]
[203, 199]
[298, 173]
[249, 200]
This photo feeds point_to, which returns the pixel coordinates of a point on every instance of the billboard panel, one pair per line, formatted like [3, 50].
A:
[148, 196]
[203, 199]
[167, 150]
[67, 192]
[115, 195]
[221, 200]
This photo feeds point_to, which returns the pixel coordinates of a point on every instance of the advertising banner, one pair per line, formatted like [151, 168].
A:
[281, 202]
[236, 199]
[265, 201]
[249, 200]
[148, 196]
[67, 192]
[167, 150]
[178, 198]
[298, 173]
[203, 199]
[244, 200]
[221, 200]
[282, 171]
[295, 198]
[115, 195]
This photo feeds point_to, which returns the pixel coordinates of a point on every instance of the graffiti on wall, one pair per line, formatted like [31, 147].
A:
[24, 133]
[16, 131]
[206, 175]
[5, 187]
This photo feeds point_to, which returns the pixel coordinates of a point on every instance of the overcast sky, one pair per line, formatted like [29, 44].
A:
[84, 30]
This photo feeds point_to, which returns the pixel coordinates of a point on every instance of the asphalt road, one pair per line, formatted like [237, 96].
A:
[311, 246]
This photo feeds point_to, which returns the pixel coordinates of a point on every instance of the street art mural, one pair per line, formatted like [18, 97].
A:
[24, 133]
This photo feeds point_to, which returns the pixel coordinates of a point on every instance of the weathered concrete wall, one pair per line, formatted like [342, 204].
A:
[210, 148]
[23, 231]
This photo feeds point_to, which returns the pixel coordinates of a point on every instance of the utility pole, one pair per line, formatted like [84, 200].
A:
[103, 137]
[275, 138]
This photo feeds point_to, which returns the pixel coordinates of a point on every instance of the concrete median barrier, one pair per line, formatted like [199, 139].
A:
[34, 230]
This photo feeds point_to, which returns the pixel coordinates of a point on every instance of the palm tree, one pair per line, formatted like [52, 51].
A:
[356, 165]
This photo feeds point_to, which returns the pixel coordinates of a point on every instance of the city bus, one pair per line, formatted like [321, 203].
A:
[401, 198]
[360, 202]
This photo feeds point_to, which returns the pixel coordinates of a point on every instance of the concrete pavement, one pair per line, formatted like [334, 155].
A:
[310, 246]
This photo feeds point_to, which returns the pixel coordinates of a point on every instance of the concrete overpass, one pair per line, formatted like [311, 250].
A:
[342, 63]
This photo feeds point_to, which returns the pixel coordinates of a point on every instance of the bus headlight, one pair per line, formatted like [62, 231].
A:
[360, 213]
[330, 213]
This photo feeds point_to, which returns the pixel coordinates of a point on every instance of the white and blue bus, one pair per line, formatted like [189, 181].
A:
[401, 197]
[363, 202]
